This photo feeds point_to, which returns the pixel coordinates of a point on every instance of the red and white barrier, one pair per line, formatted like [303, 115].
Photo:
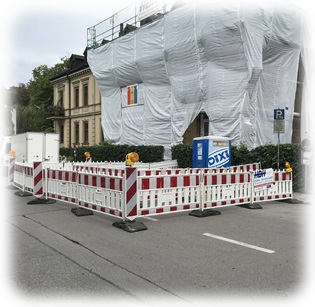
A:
[101, 193]
[11, 169]
[281, 189]
[38, 189]
[226, 189]
[23, 177]
[162, 193]
[62, 185]
[129, 192]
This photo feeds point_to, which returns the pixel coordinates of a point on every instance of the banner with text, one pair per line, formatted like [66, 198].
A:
[263, 179]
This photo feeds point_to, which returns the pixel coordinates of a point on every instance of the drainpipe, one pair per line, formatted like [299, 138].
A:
[69, 97]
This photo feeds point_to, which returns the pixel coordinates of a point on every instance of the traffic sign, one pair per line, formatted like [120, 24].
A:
[278, 126]
[278, 114]
[306, 144]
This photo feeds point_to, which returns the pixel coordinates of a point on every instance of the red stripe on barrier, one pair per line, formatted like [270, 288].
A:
[159, 183]
[233, 178]
[173, 182]
[186, 181]
[145, 183]
[131, 191]
[112, 183]
[94, 182]
[103, 182]
[241, 178]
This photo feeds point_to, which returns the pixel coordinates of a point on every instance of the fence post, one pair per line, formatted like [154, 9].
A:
[131, 193]
[130, 202]
[201, 212]
[79, 211]
[251, 205]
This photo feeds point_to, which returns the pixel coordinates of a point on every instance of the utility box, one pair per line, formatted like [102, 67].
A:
[31, 147]
[212, 152]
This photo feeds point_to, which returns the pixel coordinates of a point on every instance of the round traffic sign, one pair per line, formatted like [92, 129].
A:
[306, 144]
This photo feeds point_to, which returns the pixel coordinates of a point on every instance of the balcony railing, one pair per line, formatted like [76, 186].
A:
[127, 20]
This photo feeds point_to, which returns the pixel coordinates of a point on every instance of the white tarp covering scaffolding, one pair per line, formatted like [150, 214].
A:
[236, 63]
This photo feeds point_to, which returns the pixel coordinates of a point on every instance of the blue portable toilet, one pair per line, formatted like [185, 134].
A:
[212, 152]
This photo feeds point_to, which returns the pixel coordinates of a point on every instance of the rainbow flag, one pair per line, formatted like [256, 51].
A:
[132, 95]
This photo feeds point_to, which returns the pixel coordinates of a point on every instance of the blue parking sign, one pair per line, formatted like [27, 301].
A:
[278, 114]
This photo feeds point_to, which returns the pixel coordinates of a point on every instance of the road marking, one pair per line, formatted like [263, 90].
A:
[240, 243]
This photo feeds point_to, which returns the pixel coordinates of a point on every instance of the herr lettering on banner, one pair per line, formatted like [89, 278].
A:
[148, 8]
[263, 179]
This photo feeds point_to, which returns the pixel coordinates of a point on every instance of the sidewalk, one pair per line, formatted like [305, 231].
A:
[305, 197]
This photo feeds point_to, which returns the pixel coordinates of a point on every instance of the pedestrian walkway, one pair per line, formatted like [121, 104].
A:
[305, 197]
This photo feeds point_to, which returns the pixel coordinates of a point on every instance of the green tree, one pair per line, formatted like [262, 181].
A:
[18, 95]
[4, 98]
[42, 97]
[6, 124]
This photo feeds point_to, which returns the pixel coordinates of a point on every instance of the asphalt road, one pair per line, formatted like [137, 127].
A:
[240, 255]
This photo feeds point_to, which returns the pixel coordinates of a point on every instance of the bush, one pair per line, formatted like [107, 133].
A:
[115, 153]
[266, 155]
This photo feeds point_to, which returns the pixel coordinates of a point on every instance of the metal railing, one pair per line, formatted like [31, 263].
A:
[127, 20]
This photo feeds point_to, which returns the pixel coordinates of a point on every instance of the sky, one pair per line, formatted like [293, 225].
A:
[38, 33]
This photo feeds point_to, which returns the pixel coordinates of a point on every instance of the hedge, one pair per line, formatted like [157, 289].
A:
[266, 154]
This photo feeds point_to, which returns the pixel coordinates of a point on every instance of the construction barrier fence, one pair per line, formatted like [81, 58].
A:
[131, 192]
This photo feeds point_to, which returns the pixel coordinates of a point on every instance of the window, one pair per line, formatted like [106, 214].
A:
[204, 124]
[76, 97]
[86, 132]
[62, 132]
[60, 99]
[77, 132]
[85, 95]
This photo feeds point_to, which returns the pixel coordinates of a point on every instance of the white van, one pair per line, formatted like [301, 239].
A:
[5, 147]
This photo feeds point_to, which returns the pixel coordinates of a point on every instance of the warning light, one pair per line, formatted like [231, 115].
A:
[288, 168]
[12, 154]
[131, 158]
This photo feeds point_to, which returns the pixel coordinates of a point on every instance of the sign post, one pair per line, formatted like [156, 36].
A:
[278, 127]
[306, 145]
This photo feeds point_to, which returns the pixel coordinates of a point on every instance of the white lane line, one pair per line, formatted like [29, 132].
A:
[265, 250]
